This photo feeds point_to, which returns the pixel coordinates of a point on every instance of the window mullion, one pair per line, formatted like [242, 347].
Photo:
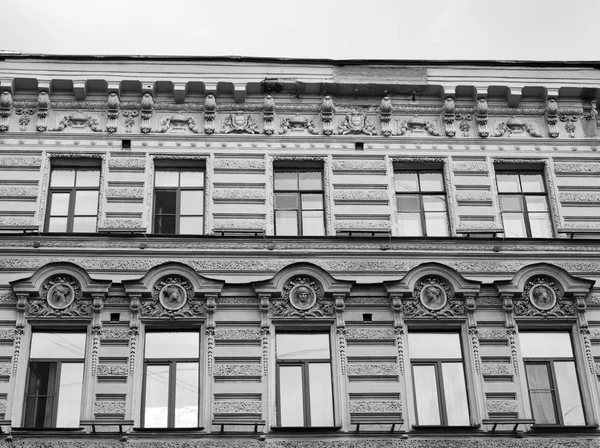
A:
[299, 215]
[306, 395]
[172, 394]
[557, 407]
[441, 395]
[55, 394]
[71, 211]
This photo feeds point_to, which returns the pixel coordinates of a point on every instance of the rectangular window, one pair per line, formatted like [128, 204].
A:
[178, 201]
[439, 383]
[524, 204]
[73, 200]
[421, 203]
[304, 384]
[552, 381]
[299, 208]
[55, 380]
[170, 397]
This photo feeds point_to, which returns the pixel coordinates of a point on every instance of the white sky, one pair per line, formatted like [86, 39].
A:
[338, 29]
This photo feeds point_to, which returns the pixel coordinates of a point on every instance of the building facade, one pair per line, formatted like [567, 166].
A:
[298, 253]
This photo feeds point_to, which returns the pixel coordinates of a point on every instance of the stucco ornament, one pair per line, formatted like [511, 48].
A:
[146, 111]
[552, 118]
[432, 298]
[112, 112]
[515, 127]
[385, 116]
[60, 297]
[356, 123]
[240, 123]
[79, 120]
[542, 298]
[210, 112]
[416, 125]
[268, 114]
[448, 116]
[481, 116]
[173, 297]
[297, 124]
[6, 104]
[302, 297]
[178, 123]
[327, 111]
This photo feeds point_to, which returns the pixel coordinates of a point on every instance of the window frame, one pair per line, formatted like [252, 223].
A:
[420, 193]
[523, 198]
[299, 193]
[72, 191]
[178, 189]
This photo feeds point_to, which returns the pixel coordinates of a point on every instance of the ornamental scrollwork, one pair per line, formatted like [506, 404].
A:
[60, 297]
[172, 297]
[302, 297]
[542, 298]
[297, 123]
[240, 123]
[178, 123]
[432, 297]
[517, 127]
[356, 123]
[416, 125]
[79, 120]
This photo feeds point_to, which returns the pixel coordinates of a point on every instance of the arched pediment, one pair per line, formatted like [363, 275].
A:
[456, 282]
[200, 285]
[275, 285]
[33, 285]
[567, 283]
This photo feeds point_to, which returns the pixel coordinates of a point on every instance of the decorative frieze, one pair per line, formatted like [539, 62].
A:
[5, 369]
[360, 195]
[121, 334]
[239, 123]
[375, 334]
[125, 193]
[252, 301]
[467, 196]
[20, 161]
[237, 407]
[122, 223]
[470, 167]
[239, 194]
[112, 370]
[575, 167]
[18, 191]
[237, 370]
[239, 164]
[127, 162]
[497, 370]
[237, 334]
[416, 125]
[109, 408]
[373, 370]
[239, 224]
[385, 301]
[79, 120]
[502, 406]
[515, 127]
[358, 165]
[356, 123]
[492, 334]
[374, 406]
[362, 224]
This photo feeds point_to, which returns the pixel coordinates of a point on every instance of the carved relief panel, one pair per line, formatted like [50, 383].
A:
[173, 297]
[542, 298]
[302, 296]
[433, 298]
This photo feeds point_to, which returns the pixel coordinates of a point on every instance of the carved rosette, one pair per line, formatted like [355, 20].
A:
[240, 123]
[210, 112]
[356, 123]
[147, 109]
[6, 105]
[481, 117]
[172, 297]
[42, 111]
[433, 298]
[448, 117]
[60, 297]
[302, 297]
[385, 116]
[327, 111]
[112, 112]
[269, 114]
[542, 298]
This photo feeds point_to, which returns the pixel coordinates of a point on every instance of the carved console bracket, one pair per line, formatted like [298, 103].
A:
[147, 109]
[268, 114]
[210, 113]
[398, 329]
[473, 333]
[481, 117]
[340, 307]
[43, 107]
[552, 117]
[448, 116]
[112, 112]
[6, 105]
[265, 329]
[327, 111]
[385, 115]
[211, 307]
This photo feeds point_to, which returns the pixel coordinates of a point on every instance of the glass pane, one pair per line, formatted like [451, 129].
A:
[508, 183]
[537, 203]
[192, 202]
[434, 203]
[568, 393]
[455, 394]
[166, 178]
[172, 345]
[191, 179]
[313, 223]
[191, 225]
[514, 225]
[57, 225]
[286, 201]
[312, 202]
[302, 346]
[84, 224]
[286, 222]
[410, 224]
[540, 393]
[186, 395]
[286, 180]
[532, 183]
[88, 178]
[310, 180]
[165, 202]
[69, 395]
[434, 346]
[86, 202]
[59, 204]
[540, 225]
[408, 203]
[291, 406]
[164, 224]
[321, 394]
[511, 203]
[545, 344]
[62, 178]
[432, 182]
[57, 345]
[40, 394]
[406, 181]
[426, 395]
[157, 397]
[436, 224]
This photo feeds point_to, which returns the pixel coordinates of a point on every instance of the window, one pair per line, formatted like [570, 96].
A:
[524, 205]
[299, 202]
[304, 384]
[170, 396]
[439, 383]
[552, 381]
[55, 380]
[421, 203]
[178, 201]
[73, 200]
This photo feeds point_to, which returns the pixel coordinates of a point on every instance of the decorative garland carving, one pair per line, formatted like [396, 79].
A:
[6, 105]
[416, 125]
[569, 121]
[173, 298]
[238, 370]
[373, 370]
[210, 350]
[178, 123]
[327, 111]
[302, 297]
[481, 117]
[385, 116]
[432, 298]
[79, 120]
[473, 333]
[112, 112]
[239, 123]
[237, 407]
[297, 123]
[24, 118]
[515, 126]
[541, 298]
[268, 114]
[551, 114]
[129, 116]
[511, 329]
[448, 116]
[147, 109]
[60, 297]
[97, 305]
[374, 406]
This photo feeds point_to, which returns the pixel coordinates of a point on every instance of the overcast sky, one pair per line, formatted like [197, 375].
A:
[337, 29]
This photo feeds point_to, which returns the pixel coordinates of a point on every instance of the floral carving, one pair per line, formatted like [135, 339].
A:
[24, 118]
[121, 334]
[237, 370]
[497, 370]
[237, 407]
[373, 370]
[377, 334]
[297, 123]
[109, 408]
[416, 125]
[374, 406]
[492, 334]
[115, 370]
[327, 111]
[569, 121]
[385, 115]
[60, 297]
[147, 109]
[240, 123]
[515, 127]
[178, 123]
[112, 112]
[502, 406]
[6, 105]
[541, 298]
[432, 298]
[129, 116]
[551, 114]
[356, 123]
[43, 106]
[302, 297]
[238, 334]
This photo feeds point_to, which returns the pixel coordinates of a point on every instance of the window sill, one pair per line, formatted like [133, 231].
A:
[564, 429]
[441, 428]
[173, 430]
[47, 431]
[306, 428]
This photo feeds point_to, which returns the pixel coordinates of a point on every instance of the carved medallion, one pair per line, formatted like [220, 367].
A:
[542, 298]
[172, 296]
[433, 297]
[302, 297]
[60, 296]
